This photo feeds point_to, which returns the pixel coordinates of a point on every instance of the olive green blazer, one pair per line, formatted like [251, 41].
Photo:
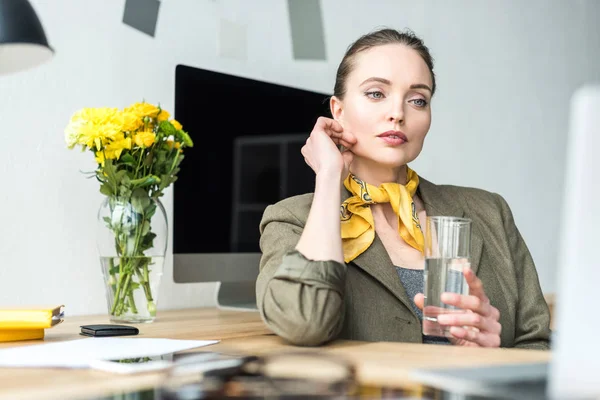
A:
[312, 302]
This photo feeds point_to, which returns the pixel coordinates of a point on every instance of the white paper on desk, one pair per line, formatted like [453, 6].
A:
[79, 353]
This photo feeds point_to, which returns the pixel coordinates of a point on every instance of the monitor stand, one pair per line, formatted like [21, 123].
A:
[239, 296]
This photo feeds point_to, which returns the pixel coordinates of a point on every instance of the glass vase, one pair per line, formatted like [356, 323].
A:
[132, 242]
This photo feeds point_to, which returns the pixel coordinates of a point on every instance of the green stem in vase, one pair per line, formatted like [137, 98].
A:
[125, 292]
[118, 291]
[123, 297]
[152, 308]
[112, 280]
[143, 281]
[147, 281]
[116, 298]
[132, 303]
[144, 278]
[132, 236]
[148, 291]
[135, 264]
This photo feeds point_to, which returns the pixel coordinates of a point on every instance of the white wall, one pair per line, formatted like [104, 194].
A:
[505, 72]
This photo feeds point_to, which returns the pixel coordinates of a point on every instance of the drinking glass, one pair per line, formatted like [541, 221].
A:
[447, 252]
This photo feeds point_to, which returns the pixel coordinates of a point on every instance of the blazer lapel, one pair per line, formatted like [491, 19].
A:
[439, 202]
[376, 262]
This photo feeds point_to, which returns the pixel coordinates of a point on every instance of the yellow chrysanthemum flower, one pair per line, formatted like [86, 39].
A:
[128, 121]
[114, 149]
[144, 138]
[163, 116]
[100, 158]
[93, 135]
[84, 126]
[98, 116]
[176, 124]
[72, 133]
[143, 110]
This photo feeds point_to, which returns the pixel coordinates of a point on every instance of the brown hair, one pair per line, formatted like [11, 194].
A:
[379, 38]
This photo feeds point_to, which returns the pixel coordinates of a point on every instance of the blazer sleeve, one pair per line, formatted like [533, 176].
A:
[299, 299]
[532, 322]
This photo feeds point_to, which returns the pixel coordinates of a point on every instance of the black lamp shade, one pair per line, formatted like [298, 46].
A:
[23, 43]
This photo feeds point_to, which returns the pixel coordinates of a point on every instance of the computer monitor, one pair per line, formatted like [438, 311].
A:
[247, 138]
[575, 368]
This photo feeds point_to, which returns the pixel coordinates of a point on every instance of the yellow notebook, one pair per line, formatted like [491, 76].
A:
[39, 318]
[13, 335]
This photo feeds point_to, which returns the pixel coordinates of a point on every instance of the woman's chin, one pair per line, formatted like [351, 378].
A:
[392, 161]
[397, 158]
[383, 157]
[394, 164]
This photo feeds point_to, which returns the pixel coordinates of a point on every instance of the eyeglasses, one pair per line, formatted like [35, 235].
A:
[288, 374]
[293, 374]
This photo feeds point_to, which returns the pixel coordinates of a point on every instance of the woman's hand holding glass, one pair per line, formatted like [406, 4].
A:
[478, 325]
[321, 152]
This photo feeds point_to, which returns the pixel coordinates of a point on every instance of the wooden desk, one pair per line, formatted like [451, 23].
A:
[378, 364]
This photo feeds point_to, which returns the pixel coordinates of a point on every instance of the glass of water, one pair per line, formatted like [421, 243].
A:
[447, 252]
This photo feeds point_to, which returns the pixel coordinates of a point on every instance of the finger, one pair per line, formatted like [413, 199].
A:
[334, 130]
[482, 339]
[475, 284]
[467, 302]
[468, 319]
[476, 289]
[347, 145]
[465, 334]
[344, 136]
[419, 300]
[495, 313]
[348, 137]
[329, 124]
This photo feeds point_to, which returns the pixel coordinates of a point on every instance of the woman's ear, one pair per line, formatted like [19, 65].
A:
[337, 109]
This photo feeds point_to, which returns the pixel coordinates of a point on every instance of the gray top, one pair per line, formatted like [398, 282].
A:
[413, 282]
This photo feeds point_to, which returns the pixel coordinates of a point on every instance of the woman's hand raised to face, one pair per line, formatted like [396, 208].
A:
[321, 152]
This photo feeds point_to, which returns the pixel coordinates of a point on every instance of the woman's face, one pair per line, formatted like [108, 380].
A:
[386, 105]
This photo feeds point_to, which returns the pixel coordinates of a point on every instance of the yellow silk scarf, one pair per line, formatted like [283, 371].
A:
[358, 227]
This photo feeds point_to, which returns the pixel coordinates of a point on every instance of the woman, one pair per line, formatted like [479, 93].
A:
[326, 276]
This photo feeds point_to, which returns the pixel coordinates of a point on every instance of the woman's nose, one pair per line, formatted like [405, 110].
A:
[397, 115]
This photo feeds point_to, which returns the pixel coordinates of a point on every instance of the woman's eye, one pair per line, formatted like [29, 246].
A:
[419, 102]
[376, 95]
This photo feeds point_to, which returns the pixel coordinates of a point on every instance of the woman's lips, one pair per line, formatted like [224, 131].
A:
[393, 138]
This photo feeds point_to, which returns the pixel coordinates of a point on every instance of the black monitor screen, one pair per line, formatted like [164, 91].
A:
[247, 138]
